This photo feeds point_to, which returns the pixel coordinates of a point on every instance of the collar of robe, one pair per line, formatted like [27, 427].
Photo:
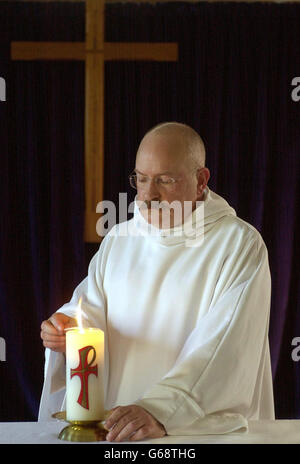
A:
[192, 231]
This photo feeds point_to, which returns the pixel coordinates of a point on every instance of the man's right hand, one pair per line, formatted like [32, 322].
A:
[52, 331]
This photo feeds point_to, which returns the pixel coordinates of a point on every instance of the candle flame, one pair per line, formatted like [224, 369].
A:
[79, 316]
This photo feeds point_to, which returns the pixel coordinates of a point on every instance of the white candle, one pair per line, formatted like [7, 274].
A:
[84, 374]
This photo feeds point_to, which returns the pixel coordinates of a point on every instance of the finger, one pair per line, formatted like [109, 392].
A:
[71, 323]
[53, 338]
[140, 434]
[120, 425]
[51, 344]
[48, 327]
[130, 429]
[149, 430]
[56, 320]
[107, 414]
[54, 346]
[116, 415]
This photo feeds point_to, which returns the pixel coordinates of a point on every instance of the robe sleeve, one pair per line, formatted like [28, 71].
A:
[94, 315]
[216, 379]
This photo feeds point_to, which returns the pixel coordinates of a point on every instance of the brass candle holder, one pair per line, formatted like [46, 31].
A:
[81, 431]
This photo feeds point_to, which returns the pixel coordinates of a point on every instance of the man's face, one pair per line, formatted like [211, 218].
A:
[164, 176]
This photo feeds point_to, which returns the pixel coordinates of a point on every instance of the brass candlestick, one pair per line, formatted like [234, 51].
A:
[81, 431]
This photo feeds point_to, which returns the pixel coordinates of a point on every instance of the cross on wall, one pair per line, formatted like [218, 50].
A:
[94, 51]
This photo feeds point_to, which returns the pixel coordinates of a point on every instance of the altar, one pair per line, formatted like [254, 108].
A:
[260, 432]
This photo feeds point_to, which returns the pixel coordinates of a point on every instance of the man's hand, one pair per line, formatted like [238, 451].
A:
[132, 423]
[52, 331]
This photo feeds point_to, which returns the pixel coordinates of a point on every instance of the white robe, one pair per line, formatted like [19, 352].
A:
[186, 327]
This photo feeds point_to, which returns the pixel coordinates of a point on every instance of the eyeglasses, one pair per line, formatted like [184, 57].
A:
[165, 182]
[140, 181]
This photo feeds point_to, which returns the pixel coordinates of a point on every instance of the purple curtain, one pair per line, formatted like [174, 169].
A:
[42, 195]
[232, 83]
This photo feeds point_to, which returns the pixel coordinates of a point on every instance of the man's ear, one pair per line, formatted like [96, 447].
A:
[203, 178]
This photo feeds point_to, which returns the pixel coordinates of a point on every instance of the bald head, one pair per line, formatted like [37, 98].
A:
[185, 142]
[170, 167]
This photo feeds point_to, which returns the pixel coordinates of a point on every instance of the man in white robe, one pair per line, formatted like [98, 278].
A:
[184, 309]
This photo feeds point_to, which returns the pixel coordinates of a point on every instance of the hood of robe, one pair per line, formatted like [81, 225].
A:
[192, 232]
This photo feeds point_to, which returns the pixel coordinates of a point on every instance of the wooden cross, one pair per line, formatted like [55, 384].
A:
[94, 51]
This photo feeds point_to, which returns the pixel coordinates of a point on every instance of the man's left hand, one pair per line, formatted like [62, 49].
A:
[132, 423]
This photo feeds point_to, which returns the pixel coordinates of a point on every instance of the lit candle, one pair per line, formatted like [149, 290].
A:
[84, 372]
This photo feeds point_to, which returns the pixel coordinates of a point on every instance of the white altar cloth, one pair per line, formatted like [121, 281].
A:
[260, 432]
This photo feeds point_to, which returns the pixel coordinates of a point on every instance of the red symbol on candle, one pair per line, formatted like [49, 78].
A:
[83, 370]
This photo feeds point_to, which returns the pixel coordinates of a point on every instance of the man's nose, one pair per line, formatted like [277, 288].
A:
[151, 192]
